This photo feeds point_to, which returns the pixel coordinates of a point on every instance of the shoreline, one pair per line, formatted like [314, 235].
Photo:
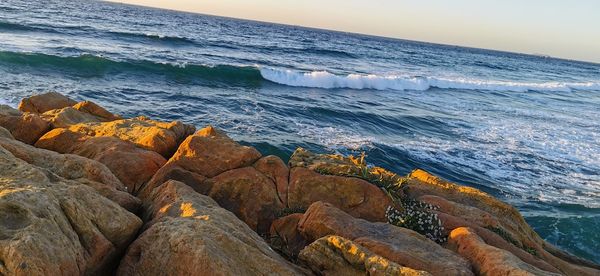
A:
[126, 192]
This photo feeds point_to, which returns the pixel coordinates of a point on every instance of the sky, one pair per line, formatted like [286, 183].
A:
[559, 28]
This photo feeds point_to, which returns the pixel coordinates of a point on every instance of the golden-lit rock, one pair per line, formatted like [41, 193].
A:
[45, 102]
[55, 226]
[190, 234]
[400, 245]
[134, 166]
[489, 260]
[160, 137]
[77, 168]
[96, 110]
[334, 255]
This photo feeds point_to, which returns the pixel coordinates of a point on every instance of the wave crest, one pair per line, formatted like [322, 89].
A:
[323, 79]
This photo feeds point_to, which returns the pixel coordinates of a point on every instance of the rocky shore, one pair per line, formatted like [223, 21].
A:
[87, 192]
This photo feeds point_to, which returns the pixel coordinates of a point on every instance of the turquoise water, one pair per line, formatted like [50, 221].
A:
[523, 128]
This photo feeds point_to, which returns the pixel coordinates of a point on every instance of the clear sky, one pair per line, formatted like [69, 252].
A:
[561, 28]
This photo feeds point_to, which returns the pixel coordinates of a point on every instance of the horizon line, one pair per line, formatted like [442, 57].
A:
[538, 55]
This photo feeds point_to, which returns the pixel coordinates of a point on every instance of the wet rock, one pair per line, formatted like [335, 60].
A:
[402, 246]
[55, 226]
[189, 234]
[45, 102]
[489, 260]
[334, 255]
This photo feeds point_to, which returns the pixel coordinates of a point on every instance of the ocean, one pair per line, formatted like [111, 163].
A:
[523, 128]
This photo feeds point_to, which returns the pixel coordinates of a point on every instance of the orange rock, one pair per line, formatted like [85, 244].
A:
[205, 154]
[45, 102]
[247, 193]
[68, 116]
[156, 136]
[276, 170]
[72, 167]
[402, 246]
[96, 110]
[132, 165]
[355, 196]
[55, 226]
[489, 260]
[334, 255]
[189, 234]
[285, 237]
[210, 152]
[25, 127]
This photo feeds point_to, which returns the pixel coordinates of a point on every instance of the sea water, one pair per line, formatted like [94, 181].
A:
[524, 128]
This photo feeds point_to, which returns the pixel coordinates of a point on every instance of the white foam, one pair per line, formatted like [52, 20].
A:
[323, 79]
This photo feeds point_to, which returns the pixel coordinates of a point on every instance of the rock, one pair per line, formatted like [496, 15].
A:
[68, 116]
[73, 167]
[189, 234]
[25, 127]
[276, 170]
[334, 255]
[4, 133]
[132, 165]
[45, 102]
[55, 226]
[205, 154]
[489, 260]
[493, 220]
[355, 196]
[402, 246]
[156, 136]
[285, 237]
[97, 111]
[247, 193]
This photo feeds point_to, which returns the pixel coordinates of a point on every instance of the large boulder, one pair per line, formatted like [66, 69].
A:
[355, 196]
[25, 127]
[45, 102]
[334, 255]
[247, 193]
[215, 165]
[190, 234]
[276, 170]
[487, 259]
[73, 167]
[134, 166]
[402, 246]
[497, 223]
[96, 111]
[160, 137]
[55, 226]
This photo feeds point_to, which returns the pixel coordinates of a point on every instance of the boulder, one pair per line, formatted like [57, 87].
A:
[334, 255]
[498, 223]
[189, 234]
[133, 166]
[55, 226]
[276, 170]
[247, 193]
[489, 260]
[285, 237]
[355, 196]
[160, 137]
[4, 133]
[25, 127]
[97, 111]
[45, 102]
[68, 116]
[206, 154]
[402, 246]
[73, 167]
